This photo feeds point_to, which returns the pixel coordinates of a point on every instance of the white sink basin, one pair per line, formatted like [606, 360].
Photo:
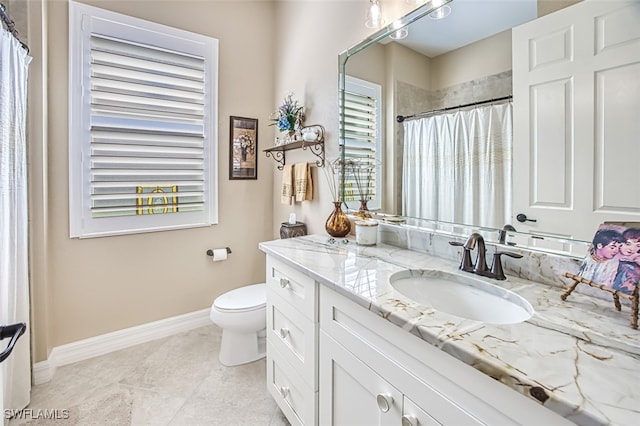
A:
[462, 295]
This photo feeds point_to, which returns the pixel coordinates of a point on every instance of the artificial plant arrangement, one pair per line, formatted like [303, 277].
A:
[337, 224]
[362, 170]
[289, 117]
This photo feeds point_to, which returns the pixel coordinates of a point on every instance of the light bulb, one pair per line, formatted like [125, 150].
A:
[399, 33]
[374, 15]
[441, 13]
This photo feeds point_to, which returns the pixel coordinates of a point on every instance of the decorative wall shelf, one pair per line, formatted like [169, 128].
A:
[316, 147]
[278, 152]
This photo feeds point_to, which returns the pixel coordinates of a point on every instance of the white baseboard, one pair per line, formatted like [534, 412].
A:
[121, 339]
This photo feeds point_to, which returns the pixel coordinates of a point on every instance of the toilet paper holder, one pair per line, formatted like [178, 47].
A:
[210, 251]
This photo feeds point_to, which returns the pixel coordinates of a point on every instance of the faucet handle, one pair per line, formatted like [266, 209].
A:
[508, 253]
[496, 268]
[465, 264]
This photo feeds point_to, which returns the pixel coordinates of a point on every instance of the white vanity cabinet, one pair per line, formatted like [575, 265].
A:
[292, 335]
[374, 373]
[356, 395]
[331, 361]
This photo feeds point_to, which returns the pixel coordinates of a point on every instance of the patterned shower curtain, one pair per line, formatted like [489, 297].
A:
[457, 166]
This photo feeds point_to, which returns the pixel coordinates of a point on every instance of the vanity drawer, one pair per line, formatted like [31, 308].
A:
[293, 286]
[293, 335]
[296, 400]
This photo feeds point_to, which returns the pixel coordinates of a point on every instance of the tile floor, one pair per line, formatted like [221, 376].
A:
[175, 381]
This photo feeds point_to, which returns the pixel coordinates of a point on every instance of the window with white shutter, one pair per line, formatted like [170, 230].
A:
[142, 125]
[362, 143]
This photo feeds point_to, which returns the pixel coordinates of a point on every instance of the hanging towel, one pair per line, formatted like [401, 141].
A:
[286, 197]
[304, 185]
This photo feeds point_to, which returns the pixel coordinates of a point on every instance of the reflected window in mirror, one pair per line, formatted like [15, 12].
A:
[362, 143]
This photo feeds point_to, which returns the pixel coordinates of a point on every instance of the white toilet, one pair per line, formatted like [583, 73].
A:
[242, 315]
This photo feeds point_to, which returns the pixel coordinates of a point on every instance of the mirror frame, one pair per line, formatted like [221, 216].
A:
[454, 229]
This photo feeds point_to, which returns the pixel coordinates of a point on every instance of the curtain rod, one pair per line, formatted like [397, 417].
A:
[11, 26]
[401, 118]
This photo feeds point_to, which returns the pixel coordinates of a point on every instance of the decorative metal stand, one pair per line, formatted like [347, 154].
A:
[616, 295]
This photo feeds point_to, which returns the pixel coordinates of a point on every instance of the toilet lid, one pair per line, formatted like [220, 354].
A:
[245, 298]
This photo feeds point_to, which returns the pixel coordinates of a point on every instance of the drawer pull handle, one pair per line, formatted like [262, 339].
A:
[284, 282]
[409, 420]
[384, 402]
[284, 391]
[284, 332]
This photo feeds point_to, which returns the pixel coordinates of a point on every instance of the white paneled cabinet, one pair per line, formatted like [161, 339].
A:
[292, 342]
[357, 396]
[375, 357]
[333, 362]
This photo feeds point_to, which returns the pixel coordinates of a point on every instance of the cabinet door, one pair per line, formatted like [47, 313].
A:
[576, 81]
[353, 393]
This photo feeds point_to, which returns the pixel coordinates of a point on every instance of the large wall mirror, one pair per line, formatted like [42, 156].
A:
[460, 65]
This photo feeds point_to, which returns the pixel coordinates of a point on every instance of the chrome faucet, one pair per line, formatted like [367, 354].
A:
[480, 265]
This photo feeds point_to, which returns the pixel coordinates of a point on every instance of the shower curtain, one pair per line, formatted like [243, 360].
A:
[14, 284]
[457, 166]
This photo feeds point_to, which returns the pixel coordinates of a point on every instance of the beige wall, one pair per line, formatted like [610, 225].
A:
[489, 56]
[98, 285]
[310, 36]
[369, 64]
[547, 6]
[407, 66]
[84, 288]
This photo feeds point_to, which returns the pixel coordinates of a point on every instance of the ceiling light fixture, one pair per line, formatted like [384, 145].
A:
[400, 33]
[374, 15]
[441, 12]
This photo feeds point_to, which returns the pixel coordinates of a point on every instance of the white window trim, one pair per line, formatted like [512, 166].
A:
[83, 20]
[374, 90]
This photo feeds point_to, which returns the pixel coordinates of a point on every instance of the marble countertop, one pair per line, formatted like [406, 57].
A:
[580, 357]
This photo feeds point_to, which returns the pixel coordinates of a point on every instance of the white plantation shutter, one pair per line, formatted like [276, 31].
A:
[142, 125]
[362, 130]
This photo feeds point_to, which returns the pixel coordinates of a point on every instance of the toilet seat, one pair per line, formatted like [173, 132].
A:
[243, 299]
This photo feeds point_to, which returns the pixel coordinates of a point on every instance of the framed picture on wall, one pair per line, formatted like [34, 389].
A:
[243, 148]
